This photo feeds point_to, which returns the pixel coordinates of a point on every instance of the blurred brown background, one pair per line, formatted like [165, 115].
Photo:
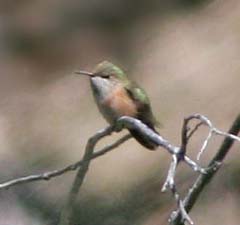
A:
[185, 53]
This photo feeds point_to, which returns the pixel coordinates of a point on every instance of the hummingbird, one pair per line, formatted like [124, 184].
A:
[116, 96]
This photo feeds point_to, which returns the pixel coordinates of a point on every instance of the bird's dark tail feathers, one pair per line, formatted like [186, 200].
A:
[143, 140]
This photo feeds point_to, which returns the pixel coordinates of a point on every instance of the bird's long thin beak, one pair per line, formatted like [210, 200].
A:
[84, 73]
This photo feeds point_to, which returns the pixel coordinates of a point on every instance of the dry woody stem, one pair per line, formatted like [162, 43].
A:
[180, 216]
[203, 179]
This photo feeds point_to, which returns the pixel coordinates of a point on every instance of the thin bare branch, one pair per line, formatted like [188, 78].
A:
[129, 122]
[203, 179]
[178, 154]
[212, 130]
[67, 212]
[194, 130]
[55, 173]
[169, 183]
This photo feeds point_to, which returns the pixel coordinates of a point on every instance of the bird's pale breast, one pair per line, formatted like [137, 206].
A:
[112, 99]
[120, 102]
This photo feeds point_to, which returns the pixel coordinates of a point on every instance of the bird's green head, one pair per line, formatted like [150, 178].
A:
[106, 69]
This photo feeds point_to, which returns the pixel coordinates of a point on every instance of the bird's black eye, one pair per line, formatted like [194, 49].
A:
[105, 76]
[102, 75]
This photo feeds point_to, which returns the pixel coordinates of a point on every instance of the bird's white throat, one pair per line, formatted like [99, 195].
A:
[102, 87]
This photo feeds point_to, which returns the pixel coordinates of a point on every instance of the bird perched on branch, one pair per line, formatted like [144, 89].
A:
[116, 95]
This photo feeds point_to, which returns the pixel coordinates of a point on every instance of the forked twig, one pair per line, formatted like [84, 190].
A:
[203, 179]
[178, 155]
